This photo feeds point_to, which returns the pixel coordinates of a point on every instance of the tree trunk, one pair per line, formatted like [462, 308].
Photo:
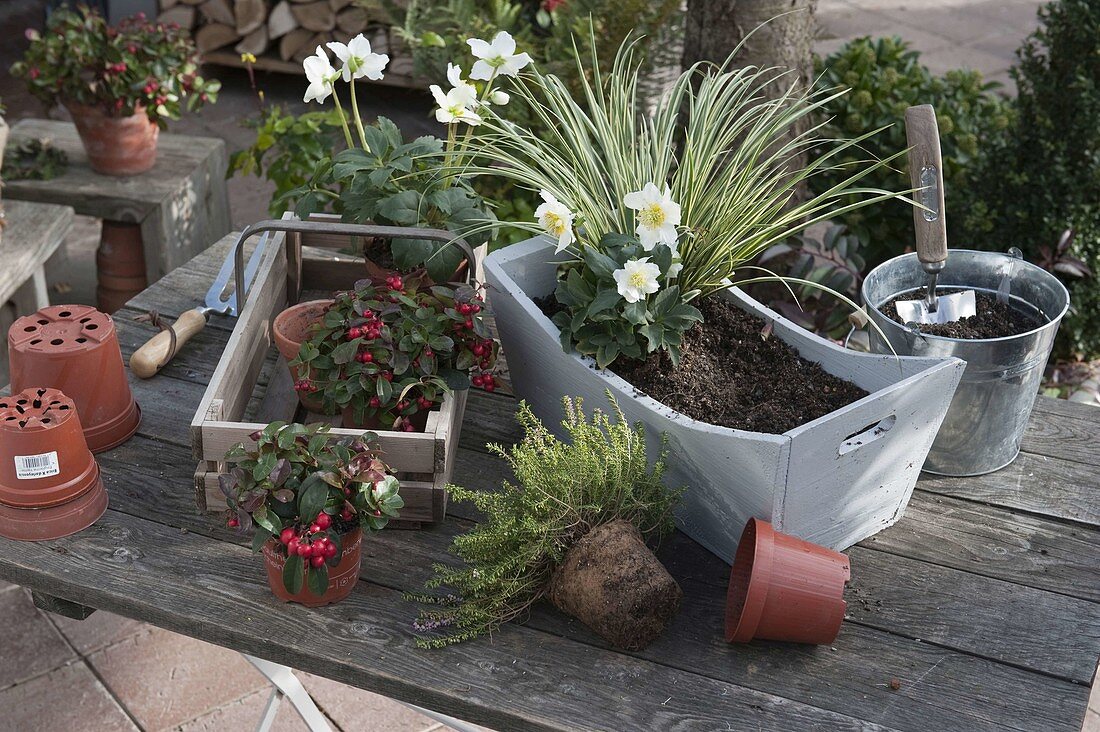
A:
[714, 28]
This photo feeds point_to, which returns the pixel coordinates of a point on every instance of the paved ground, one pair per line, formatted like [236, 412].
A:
[60, 674]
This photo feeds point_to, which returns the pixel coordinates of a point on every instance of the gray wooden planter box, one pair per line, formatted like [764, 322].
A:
[833, 481]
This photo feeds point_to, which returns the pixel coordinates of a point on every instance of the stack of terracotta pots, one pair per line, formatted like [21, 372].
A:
[70, 398]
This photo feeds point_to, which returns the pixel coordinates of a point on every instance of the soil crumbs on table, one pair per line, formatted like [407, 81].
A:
[993, 319]
[731, 375]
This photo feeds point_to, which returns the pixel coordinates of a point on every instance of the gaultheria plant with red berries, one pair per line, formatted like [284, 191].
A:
[387, 354]
[136, 66]
[308, 491]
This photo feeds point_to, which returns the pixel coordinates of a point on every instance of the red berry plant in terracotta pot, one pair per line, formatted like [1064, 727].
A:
[309, 499]
[384, 355]
[121, 83]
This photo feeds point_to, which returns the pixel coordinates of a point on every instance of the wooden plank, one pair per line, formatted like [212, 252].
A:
[1063, 429]
[404, 79]
[1045, 486]
[32, 232]
[542, 690]
[998, 543]
[941, 688]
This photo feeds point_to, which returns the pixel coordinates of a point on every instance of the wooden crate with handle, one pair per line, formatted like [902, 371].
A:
[291, 265]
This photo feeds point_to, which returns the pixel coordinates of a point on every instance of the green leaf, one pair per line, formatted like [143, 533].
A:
[294, 574]
[259, 539]
[267, 519]
[311, 497]
[605, 299]
[401, 208]
[601, 265]
[345, 352]
[318, 580]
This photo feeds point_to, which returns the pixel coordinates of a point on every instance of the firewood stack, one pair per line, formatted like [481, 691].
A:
[282, 33]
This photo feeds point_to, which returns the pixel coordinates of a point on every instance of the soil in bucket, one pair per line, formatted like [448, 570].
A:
[733, 374]
[613, 583]
[993, 319]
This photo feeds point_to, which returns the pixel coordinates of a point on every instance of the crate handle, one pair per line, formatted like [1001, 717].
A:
[867, 435]
[294, 226]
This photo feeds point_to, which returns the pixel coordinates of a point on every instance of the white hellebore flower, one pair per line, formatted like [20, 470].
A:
[499, 98]
[658, 215]
[463, 89]
[320, 74]
[636, 279]
[498, 57]
[452, 107]
[358, 59]
[674, 270]
[557, 219]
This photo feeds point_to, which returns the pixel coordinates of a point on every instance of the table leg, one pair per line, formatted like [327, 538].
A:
[61, 606]
[287, 685]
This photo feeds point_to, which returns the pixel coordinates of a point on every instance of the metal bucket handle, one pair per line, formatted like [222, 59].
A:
[294, 226]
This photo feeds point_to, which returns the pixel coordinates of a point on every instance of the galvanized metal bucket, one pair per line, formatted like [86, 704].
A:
[990, 410]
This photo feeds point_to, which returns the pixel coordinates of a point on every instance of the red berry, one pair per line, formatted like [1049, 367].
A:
[314, 527]
[317, 549]
[367, 356]
[375, 402]
[427, 353]
[317, 560]
[346, 514]
[353, 333]
[292, 548]
[330, 551]
[304, 549]
[469, 323]
[475, 308]
[387, 375]
[287, 534]
[323, 520]
[407, 427]
[403, 405]
[490, 386]
[478, 349]
[232, 523]
[476, 380]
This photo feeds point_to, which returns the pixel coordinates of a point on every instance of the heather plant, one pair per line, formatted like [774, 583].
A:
[563, 489]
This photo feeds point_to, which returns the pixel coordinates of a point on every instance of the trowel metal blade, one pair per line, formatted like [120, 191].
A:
[949, 308]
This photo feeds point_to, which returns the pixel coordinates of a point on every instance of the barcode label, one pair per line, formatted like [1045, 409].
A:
[36, 466]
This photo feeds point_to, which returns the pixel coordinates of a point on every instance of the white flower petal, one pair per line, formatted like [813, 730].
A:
[482, 70]
[480, 48]
[503, 44]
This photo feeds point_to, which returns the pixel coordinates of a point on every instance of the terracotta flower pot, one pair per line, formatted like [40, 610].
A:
[341, 578]
[290, 330]
[782, 588]
[49, 481]
[74, 348]
[116, 145]
[120, 265]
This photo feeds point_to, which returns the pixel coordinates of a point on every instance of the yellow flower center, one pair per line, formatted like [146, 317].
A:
[553, 223]
[638, 279]
[652, 216]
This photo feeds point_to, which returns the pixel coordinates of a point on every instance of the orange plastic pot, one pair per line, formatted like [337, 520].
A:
[120, 265]
[116, 145]
[49, 481]
[783, 588]
[74, 348]
[290, 330]
[341, 578]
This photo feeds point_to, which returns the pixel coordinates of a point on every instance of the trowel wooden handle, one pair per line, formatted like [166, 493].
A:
[926, 174]
[157, 351]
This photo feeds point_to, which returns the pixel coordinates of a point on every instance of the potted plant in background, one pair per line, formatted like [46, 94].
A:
[308, 500]
[121, 84]
[651, 218]
[573, 529]
[385, 355]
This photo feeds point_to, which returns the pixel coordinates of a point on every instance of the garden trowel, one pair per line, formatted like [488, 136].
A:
[221, 298]
[926, 174]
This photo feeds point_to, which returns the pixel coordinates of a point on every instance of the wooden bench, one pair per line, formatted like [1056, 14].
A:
[181, 205]
[32, 233]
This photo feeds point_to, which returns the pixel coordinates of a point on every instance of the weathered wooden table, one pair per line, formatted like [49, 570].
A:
[979, 611]
[181, 205]
[32, 233]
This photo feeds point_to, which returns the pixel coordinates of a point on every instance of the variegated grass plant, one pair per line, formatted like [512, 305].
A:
[733, 158]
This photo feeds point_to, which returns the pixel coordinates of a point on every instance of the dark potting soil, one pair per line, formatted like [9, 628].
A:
[732, 376]
[993, 318]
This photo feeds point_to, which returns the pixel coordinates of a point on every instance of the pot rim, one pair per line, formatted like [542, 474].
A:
[625, 388]
[755, 594]
[1054, 321]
